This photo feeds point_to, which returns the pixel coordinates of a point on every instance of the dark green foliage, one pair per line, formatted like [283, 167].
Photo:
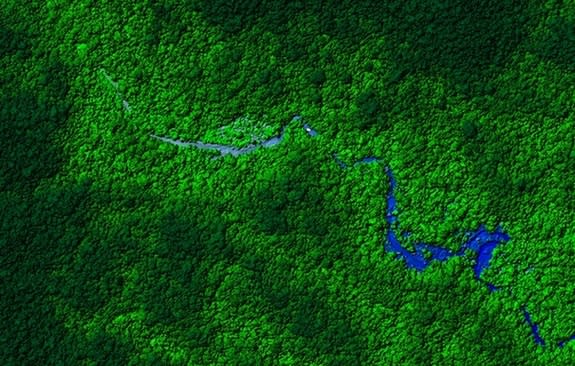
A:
[265, 76]
[225, 65]
[272, 220]
[106, 350]
[308, 320]
[370, 109]
[253, 263]
[397, 75]
[237, 16]
[330, 19]
[268, 83]
[15, 43]
[294, 49]
[557, 42]
[166, 23]
[188, 238]
[470, 129]
[275, 282]
[315, 97]
[369, 67]
[286, 203]
[271, 215]
[29, 119]
[54, 228]
[368, 103]
[455, 38]
[317, 77]
[346, 78]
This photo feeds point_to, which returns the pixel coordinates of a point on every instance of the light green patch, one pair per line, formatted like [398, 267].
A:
[82, 50]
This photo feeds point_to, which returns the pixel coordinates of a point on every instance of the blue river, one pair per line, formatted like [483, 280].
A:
[480, 242]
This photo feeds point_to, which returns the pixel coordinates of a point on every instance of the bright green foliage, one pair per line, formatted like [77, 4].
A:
[118, 249]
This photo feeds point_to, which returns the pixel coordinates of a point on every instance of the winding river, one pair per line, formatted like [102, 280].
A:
[480, 242]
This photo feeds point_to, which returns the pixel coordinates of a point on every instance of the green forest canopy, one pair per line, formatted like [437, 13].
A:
[118, 249]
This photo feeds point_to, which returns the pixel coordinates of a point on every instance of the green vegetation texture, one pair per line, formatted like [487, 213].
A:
[120, 249]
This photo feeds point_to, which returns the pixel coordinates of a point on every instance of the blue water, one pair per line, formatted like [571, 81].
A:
[534, 328]
[480, 242]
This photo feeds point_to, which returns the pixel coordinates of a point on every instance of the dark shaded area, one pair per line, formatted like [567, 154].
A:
[94, 271]
[272, 217]
[236, 16]
[494, 160]
[40, 234]
[55, 263]
[41, 226]
[460, 40]
[174, 292]
[306, 313]
[14, 43]
[104, 349]
[187, 233]
[27, 121]
[332, 17]
[371, 109]
[317, 77]
[557, 42]
[167, 23]
[326, 327]
[274, 284]
[268, 84]
[190, 243]
[291, 202]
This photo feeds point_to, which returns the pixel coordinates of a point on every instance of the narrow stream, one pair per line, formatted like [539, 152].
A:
[237, 151]
[481, 242]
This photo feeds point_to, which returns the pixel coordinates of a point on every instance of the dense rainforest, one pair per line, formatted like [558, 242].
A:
[120, 249]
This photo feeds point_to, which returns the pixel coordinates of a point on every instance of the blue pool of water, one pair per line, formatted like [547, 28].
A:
[479, 242]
